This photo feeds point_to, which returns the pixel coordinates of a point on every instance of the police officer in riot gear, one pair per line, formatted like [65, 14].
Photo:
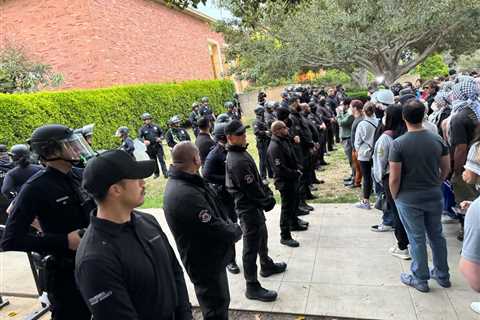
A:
[175, 133]
[127, 142]
[62, 212]
[252, 198]
[214, 172]
[86, 132]
[262, 135]
[204, 236]
[152, 136]
[231, 111]
[205, 110]
[23, 170]
[236, 102]
[193, 118]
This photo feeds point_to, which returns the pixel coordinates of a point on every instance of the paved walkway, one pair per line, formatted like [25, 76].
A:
[341, 269]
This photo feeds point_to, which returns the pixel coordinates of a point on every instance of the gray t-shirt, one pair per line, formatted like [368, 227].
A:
[471, 239]
[420, 153]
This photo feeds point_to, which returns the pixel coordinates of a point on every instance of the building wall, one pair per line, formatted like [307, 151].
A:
[98, 43]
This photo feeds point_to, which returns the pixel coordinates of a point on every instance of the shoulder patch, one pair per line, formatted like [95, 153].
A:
[204, 216]
[277, 162]
[248, 178]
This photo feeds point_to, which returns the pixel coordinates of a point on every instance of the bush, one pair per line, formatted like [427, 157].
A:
[331, 77]
[107, 108]
[432, 67]
[358, 95]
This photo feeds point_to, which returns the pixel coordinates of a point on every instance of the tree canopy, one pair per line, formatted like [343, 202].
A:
[386, 37]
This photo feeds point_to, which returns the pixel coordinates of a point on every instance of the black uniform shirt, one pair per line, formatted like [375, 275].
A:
[150, 132]
[176, 135]
[129, 271]
[61, 207]
[128, 146]
[16, 178]
[202, 232]
[245, 184]
[284, 164]
[204, 144]
[260, 129]
[214, 167]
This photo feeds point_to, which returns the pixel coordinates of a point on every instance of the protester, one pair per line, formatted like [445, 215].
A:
[364, 140]
[345, 120]
[357, 112]
[419, 162]
[469, 264]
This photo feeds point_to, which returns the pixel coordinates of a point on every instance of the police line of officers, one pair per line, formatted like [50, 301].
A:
[114, 262]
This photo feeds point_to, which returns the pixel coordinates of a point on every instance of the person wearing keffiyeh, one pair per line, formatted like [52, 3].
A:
[465, 94]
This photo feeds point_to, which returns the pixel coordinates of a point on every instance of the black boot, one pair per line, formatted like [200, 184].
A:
[299, 227]
[301, 212]
[290, 243]
[278, 267]
[256, 292]
[304, 206]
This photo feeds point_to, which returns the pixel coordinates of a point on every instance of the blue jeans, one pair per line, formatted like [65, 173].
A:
[419, 218]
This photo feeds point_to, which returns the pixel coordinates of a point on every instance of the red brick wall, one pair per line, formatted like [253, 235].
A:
[98, 43]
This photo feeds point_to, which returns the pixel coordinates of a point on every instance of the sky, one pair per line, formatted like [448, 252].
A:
[214, 12]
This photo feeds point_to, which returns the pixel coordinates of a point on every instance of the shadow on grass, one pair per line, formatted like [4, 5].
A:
[332, 191]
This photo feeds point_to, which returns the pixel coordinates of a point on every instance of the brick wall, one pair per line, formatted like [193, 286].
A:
[98, 43]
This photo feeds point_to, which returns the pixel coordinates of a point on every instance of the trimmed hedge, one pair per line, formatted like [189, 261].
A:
[107, 108]
[358, 95]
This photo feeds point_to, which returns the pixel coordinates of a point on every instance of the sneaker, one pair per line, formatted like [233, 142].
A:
[448, 220]
[381, 228]
[278, 267]
[354, 186]
[290, 243]
[409, 280]
[363, 205]
[347, 179]
[475, 306]
[442, 282]
[402, 254]
[233, 268]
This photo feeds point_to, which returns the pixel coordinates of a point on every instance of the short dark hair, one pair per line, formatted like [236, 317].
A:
[203, 123]
[292, 100]
[347, 101]
[413, 111]
[357, 104]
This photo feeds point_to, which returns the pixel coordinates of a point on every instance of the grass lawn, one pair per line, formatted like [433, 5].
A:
[332, 191]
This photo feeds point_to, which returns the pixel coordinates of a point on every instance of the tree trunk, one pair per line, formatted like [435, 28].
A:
[360, 77]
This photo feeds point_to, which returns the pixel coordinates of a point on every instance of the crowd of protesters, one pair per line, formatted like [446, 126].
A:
[415, 147]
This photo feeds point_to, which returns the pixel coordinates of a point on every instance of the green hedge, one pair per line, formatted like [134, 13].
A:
[107, 108]
[358, 95]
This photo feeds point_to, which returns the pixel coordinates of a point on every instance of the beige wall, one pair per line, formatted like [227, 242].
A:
[249, 100]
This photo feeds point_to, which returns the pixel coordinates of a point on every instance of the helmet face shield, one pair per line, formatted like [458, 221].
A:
[76, 148]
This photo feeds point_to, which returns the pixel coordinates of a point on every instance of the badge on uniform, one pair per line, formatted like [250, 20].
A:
[204, 216]
[248, 178]
[277, 162]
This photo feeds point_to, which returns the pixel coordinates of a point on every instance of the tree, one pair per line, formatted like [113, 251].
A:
[19, 74]
[469, 62]
[433, 66]
[386, 37]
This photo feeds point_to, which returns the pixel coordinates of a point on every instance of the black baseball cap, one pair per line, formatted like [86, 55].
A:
[235, 128]
[111, 167]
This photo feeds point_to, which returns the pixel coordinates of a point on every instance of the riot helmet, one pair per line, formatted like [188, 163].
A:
[223, 118]
[19, 152]
[146, 116]
[121, 131]
[57, 142]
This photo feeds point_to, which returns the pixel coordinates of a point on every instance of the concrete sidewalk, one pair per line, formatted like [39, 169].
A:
[341, 269]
